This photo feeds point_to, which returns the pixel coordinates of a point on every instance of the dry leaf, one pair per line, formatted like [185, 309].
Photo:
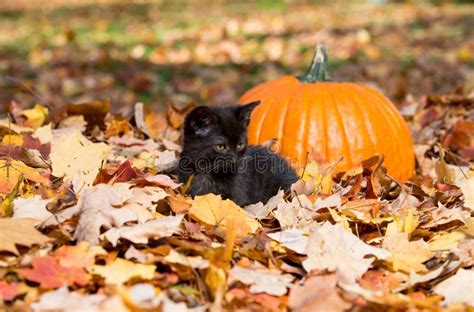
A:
[333, 248]
[121, 270]
[213, 210]
[196, 262]
[73, 154]
[19, 232]
[272, 283]
[458, 288]
[406, 255]
[31, 208]
[141, 233]
[318, 294]
[50, 274]
[63, 300]
[35, 116]
[293, 239]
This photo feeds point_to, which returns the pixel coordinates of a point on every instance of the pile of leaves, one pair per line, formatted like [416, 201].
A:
[93, 219]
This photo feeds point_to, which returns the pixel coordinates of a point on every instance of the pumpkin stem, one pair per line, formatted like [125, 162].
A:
[318, 69]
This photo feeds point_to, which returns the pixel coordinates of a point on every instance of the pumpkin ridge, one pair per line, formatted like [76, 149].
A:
[288, 105]
[268, 104]
[398, 121]
[268, 123]
[366, 124]
[345, 146]
[306, 100]
[388, 147]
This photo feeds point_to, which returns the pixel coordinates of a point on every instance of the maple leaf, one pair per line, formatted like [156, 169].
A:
[121, 270]
[332, 247]
[80, 256]
[109, 206]
[50, 274]
[11, 170]
[213, 210]
[73, 154]
[19, 232]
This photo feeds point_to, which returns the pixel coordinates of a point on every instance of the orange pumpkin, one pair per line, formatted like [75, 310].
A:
[331, 120]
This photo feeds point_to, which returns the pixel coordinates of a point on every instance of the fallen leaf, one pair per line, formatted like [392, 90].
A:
[35, 116]
[272, 283]
[80, 256]
[19, 232]
[458, 288]
[11, 170]
[73, 154]
[50, 274]
[120, 270]
[445, 241]
[31, 208]
[98, 207]
[333, 248]
[141, 233]
[63, 300]
[213, 210]
[8, 292]
[406, 255]
[293, 239]
[318, 293]
[196, 262]
[166, 161]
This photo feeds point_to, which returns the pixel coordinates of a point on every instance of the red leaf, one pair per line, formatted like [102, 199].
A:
[9, 292]
[50, 274]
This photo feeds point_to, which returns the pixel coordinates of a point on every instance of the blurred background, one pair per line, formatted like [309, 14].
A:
[58, 52]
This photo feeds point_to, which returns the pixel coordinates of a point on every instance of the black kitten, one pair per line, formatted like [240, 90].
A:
[217, 156]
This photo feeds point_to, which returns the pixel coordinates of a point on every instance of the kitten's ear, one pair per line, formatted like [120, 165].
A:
[199, 121]
[244, 111]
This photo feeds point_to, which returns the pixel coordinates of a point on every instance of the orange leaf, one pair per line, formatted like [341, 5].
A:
[9, 292]
[50, 274]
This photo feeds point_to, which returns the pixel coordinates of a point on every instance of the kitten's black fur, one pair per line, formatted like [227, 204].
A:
[216, 154]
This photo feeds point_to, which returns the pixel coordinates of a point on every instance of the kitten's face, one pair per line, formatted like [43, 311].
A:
[215, 138]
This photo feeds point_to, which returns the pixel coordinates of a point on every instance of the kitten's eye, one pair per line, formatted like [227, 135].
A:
[219, 147]
[240, 146]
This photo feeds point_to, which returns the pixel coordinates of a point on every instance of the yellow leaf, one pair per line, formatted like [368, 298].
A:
[11, 169]
[73, 154]
[19, 232]
[215, 280]
[322, 180]
[406, 255]
[6, 207]
[213, 210]
[121, 270]
[35, 116]
[446, 241]
[13, 139]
